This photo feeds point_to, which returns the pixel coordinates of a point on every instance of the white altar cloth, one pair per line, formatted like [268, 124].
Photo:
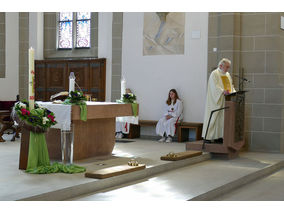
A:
[62, 114]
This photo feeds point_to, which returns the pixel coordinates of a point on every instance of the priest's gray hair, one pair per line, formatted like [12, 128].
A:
[223, 61]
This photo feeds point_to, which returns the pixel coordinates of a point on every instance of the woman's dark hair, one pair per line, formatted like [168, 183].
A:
[169, 101]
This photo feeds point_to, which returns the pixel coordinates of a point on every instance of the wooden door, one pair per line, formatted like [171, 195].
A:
[97, 76]
[56, 73]
[40, 81]
[81, 71]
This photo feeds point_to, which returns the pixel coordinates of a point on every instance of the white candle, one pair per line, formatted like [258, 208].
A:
[31, 79]
[71, 82]
[123, 87]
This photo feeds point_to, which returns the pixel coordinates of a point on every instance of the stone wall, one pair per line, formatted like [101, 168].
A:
[117, 26]
[50, 41]
[2, 45]
[254, 42]
[23, 55]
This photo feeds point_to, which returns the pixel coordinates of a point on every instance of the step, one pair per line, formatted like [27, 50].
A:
[94, 185]
[203, 181]
[270, 188]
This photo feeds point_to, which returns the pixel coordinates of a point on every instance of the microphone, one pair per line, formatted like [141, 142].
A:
[244, 79]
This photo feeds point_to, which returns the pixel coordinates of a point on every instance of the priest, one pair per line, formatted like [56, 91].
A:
[219, 84]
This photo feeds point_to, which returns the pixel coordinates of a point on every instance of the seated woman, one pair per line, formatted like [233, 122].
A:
[166, 126]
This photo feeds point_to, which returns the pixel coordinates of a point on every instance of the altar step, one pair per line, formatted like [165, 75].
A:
[96, 185]
[198, 178]
[206, 180]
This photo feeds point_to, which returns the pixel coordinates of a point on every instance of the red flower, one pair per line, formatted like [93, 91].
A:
[51, 117]
[24, 111]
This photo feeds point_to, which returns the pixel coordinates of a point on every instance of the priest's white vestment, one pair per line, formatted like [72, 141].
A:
[217, 84]
[168, 126]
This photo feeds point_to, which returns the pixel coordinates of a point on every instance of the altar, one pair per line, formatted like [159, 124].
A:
[91, 138]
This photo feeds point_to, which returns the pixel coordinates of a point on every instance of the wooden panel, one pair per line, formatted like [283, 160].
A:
[181, 155]
[97, 76]
[90, 75]
[191, 124]
[24, 151]
[93, 138]
[114, 171]
[81, 71]
[103, 111]
[40, 81]
[56, 78]
[134, 131]
[230, 127]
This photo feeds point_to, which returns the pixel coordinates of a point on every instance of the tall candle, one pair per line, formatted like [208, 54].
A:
[71, 82]
[123, 86]
[31, 79]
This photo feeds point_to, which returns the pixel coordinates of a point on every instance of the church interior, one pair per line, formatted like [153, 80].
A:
[105, 78]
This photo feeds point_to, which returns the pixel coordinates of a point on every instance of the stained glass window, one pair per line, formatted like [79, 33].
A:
[83, 24]
[65, 40]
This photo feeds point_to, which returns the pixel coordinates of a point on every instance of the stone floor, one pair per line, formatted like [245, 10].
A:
[270, 188]
[184, 183]
[16, 184]
[179, 184]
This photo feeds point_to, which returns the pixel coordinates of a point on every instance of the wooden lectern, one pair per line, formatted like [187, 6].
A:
[234, 137]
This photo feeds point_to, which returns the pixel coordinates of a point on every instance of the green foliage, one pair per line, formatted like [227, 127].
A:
[129, 98]
[39, 116]
[76, 98]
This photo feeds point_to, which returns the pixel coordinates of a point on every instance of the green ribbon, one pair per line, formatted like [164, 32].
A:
[56, 168]
[83, 112]
[38, 153]
[83, 108]
[134, 108]
[38, 159]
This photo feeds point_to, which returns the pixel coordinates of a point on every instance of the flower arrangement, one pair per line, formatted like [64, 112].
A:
[38, 117]
[129, 98]
[76, 97]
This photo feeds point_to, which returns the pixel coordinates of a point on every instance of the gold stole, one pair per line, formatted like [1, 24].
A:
[226, 83]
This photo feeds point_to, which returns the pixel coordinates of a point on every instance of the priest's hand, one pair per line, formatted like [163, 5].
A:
[168, 117]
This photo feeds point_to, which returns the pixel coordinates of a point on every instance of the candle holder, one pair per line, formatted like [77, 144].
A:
[133, 162]
[171, 155]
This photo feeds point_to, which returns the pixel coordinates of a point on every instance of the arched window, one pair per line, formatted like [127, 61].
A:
[65, 37]
[66, 24]
[83, 24]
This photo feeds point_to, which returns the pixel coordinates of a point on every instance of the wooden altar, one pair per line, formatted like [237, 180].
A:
[234, 134]
[95, 137]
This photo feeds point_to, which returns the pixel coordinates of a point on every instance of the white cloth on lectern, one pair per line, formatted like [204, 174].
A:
[215, 100]
[168, 126]
[61, 112]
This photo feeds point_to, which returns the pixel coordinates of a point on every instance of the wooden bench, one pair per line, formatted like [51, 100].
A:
[182, 129]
